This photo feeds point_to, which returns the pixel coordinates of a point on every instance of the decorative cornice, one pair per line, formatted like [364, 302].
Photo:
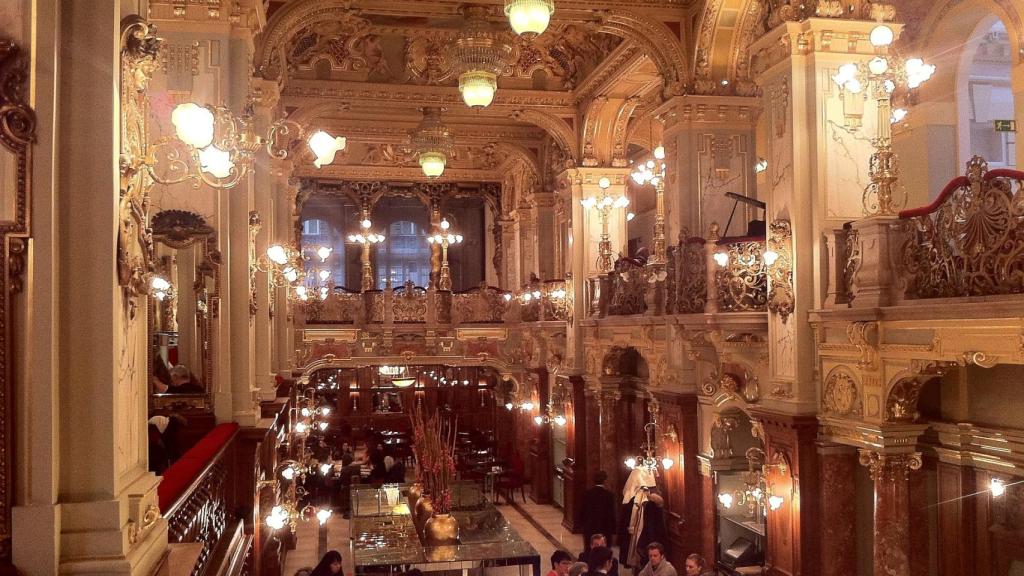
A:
[736, 111]
[404, 173]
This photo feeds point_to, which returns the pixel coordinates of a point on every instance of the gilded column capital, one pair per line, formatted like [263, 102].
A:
[889, 467]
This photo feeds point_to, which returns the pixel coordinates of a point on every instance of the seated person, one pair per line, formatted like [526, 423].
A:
[181, 382]
[163, 441]
[561, 561]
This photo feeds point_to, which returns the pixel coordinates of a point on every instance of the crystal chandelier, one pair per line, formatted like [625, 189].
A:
[433, 143]
[529, 17]
[479, 54]
[648, 456]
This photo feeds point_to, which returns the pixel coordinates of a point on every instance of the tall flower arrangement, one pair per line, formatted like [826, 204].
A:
[434, 449]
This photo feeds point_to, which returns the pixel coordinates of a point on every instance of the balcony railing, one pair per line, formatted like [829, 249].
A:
[742, 281]
[409, 304]
[969, 242]
[194, 495]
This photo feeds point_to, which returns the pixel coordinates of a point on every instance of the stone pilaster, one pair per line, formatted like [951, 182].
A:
[264, 187]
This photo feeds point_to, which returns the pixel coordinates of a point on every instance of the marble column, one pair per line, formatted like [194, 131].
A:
[542, 214]
[900, 523]
[266, 112]
[838, 509]
[577, 442]
[85, 502]
[709, 506]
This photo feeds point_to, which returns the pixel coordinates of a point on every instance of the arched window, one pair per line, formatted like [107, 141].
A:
[404, 255]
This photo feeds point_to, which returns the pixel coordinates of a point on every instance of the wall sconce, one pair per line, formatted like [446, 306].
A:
[778, 257]
[997, 487]
[721, 258]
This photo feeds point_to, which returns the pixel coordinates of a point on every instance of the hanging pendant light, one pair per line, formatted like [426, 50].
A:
[529, 17]
[479, 54]
[433, 143]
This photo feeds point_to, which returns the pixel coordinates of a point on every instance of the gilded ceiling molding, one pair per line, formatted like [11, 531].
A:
[515, 152]
[656, 40]
[592, 120]
[705, 52]
[561, 132]
[610, 71]
[17, 132]
[620, 144]
[298, 92]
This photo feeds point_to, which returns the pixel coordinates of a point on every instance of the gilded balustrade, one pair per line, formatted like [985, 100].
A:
[629, 284]
[688, 286]
[485, 304]
[969, 241]
[555, 300]
[742, 282]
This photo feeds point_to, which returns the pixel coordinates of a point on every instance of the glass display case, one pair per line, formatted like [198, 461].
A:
[385, 539]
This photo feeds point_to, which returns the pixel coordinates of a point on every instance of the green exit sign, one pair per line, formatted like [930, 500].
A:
[1005, 125]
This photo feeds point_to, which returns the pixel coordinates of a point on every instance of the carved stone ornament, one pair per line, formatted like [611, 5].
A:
[840, 395]
[179, 228]
[140, 57]
[17, 132]
[780, 273]
[890, 467]
[901, 404]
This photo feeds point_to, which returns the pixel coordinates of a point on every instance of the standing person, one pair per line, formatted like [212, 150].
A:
[329, 564]
[597, 515]
[599, 541]
[600, 562]
[561, 561]
[633, 496]
[657, 564]
[696, 565]
[649, 527]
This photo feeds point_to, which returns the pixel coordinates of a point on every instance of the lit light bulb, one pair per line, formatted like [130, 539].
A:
[659, 152]
[589, 202]
[630, 463]
[529, 17]
[432, 163]
[667, 463]
[216, 162]
[325, 410]
[193, 124]
[527, 406]
[301, 427]
[538, 420]
[853, 86]
[445, 224]
[323, 515]
[159, 283]
[288, 473]
[721, 258]
[898, 115]
[536, 293]
[761, 166]
[846, 73]
[770, 256]
[366, 223]
[507, 297]
[324, 147]
[277, 254]
[997, 487]
[325, 468]
[477, 88]
[301, 292]
[508, 406]
[324, 275]
[878, 65]
[881, 36]
[604, 183]
[775, 502]
[560, 420]
[323, 426]
[290, 274]
[305, 412]
[726, 499]
[324, 252]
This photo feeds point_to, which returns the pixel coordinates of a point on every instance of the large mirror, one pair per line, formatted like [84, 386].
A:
[181, 316]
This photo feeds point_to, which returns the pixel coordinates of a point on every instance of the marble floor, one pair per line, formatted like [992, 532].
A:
[525, 518]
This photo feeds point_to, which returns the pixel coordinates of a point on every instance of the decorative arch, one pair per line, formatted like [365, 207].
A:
[655, 39]
[286, 22]
[1005, 10]
[904, 390]
[730, 60]
[562, 133]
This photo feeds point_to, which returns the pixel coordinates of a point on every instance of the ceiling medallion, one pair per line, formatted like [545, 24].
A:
[433, 143]
[479, 54]
[529, 17]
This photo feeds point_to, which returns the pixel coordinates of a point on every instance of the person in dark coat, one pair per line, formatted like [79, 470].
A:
[597, 515]
[652, 527]
[600, 562]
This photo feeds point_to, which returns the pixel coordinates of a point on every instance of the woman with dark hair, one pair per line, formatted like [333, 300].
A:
[329, 564]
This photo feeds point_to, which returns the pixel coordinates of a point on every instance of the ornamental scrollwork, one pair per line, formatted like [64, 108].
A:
[971, 241]
[691, 292]
[409, 304]
[890, 467]
[780, 272]
[840, 395]
[17, 132]
[140, 58]
[743, 282]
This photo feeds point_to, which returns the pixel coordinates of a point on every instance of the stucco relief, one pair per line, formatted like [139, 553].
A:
[840, 394]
